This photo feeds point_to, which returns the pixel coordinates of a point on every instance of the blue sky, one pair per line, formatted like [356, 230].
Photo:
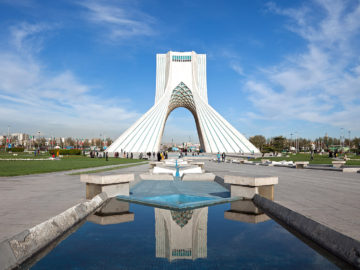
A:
[85, 68]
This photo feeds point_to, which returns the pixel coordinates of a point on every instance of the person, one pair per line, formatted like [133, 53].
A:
[166, 155]
[158, 156]
[127, 155]
[223, 156]
[107, 156]
[131, 155]
[140, 156]
[218, 157]
[312, 151]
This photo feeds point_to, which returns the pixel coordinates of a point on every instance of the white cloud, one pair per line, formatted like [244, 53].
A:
[321, 84]
[237, 68]
[121, 22]
[25, 37]
[29, 97]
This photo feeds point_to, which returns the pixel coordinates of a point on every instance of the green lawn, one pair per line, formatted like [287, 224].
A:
[4, 155]
[318, 159]
[23, 167]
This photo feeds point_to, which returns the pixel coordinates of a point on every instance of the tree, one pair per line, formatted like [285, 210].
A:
[108, 142]
[69, 141]
[3, 141]
[98, 142]
[356, 142]
[278, 143]
[259, 141]
[86, 143]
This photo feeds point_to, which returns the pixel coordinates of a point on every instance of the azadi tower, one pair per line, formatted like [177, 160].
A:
[181, 82]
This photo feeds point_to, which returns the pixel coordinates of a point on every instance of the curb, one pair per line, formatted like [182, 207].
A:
[22, 246]
[342, 246]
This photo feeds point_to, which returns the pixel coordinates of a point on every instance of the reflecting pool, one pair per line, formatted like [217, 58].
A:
[133, 236]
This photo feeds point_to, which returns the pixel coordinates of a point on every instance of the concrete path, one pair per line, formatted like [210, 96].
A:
[26, 201]
[329, 197]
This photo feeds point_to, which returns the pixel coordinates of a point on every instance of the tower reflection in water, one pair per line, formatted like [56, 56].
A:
[181, 234]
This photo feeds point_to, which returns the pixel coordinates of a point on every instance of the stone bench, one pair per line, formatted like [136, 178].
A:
[248, 186]
[157, 176]
[199, 177]
[338, 164]
[113, 185]
[200, 164]
[301, 164]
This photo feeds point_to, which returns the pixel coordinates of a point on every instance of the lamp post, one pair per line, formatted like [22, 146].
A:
[39, 140]
[8, 138]
[341, 136]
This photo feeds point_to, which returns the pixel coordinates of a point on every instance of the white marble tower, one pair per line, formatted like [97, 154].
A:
[181, 82]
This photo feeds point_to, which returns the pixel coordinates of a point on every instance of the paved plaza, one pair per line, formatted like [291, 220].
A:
[329, 197]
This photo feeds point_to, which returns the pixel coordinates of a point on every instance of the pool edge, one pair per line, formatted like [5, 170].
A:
[338, 244]
[17, 249]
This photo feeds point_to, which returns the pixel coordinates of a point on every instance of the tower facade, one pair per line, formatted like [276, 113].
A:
[181, 82]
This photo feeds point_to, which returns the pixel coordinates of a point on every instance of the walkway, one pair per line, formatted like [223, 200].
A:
[26, 201]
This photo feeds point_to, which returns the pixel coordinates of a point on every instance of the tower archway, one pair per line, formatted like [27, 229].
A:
[182, 97]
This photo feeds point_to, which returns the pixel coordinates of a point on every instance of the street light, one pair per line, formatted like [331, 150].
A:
[349, 140]
[341, 136]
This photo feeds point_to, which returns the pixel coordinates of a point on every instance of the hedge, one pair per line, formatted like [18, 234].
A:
[65, 152]
[15, 149]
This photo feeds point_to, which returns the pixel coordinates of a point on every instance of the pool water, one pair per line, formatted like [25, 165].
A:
[154, 238]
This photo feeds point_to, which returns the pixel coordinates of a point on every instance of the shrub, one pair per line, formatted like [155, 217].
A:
[15, 149]
[65, 152]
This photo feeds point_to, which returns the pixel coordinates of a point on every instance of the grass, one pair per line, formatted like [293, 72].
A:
[318, 159]
[23, 167]
[4, 155]
[107, 169]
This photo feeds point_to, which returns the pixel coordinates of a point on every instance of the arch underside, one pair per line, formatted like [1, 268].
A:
[215, 133]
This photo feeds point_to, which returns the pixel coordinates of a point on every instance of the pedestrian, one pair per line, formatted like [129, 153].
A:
[131, 155]
[127, 155]
[107, 156]
[218, 157]
[158, 156]
[223, 156]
